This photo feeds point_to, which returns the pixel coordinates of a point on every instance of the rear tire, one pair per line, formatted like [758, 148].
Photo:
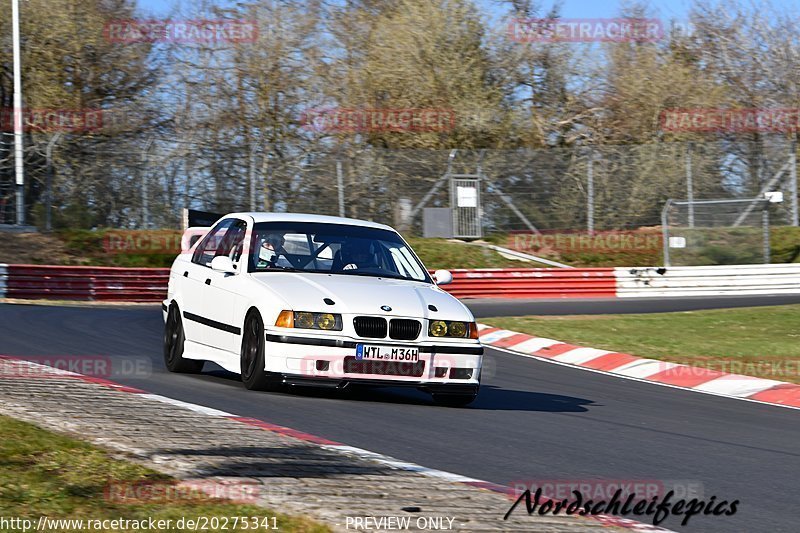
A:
[254, 376]
[174, 339]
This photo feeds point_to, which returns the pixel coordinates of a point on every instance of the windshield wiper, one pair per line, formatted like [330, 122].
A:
[355, 272]
[279, 267]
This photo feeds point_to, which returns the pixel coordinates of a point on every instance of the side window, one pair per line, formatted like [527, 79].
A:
[207, 249]
[233, 243]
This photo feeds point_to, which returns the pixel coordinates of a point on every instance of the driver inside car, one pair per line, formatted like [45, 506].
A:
[270, 250]
[356, 254]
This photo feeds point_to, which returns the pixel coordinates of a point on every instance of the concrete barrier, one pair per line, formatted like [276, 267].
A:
[3, 279]
[708, 280]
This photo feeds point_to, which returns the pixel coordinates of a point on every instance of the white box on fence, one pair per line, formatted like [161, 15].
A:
[677, 242]
[467, 197]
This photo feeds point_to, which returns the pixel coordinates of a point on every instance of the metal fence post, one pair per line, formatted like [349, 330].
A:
[253, 149]
[145, 193]
[765, 229]
[48, 193]
[340, 185]
[793, 185]
[689, 184]
[665, 232]
[590, 193]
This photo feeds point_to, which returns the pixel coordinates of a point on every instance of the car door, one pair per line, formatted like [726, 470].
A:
[222, 295]
[195, 306]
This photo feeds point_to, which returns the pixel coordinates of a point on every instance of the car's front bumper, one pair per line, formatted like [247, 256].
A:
[332, 361]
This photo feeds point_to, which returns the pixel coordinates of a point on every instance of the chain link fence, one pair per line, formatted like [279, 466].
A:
[127, 183]
[716, 232]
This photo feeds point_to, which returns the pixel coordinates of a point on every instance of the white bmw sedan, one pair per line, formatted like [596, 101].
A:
[290, 299]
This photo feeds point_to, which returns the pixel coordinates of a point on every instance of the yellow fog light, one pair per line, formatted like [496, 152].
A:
[326, 321]
[438, 328]
[458, 329]
[304, 320]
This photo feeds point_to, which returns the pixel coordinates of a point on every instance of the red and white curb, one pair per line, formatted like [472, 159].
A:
[641, 369]
[607, 520]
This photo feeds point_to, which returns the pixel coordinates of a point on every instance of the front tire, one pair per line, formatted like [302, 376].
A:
[254, 376]
[174, 339]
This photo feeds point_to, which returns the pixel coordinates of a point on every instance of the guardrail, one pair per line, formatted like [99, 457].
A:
[533, 283]
[150, 284]
[86, 283]
[708, 280]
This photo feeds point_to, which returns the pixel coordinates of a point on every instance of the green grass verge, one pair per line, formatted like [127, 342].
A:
[757, 341]
[440, 253]
[47, 474]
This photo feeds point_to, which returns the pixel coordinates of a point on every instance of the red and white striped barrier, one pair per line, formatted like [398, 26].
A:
[85, 283]
[150, 284]
[629, 366]
[533, 283]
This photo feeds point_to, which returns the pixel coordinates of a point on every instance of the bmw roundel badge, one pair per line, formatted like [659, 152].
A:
[386, 308]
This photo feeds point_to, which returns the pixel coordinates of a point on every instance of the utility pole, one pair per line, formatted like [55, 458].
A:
[18, 155]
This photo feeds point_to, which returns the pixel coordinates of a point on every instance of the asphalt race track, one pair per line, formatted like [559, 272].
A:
[532, 420]
[602, 306]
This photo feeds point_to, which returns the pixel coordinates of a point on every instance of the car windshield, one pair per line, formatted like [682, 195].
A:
[332, 249]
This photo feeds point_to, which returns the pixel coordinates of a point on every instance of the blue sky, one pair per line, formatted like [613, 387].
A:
[571, 8]
[664, 9]
[675, 11]
[599, 9]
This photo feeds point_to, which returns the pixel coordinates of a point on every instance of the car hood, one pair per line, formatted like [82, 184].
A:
[363, 295]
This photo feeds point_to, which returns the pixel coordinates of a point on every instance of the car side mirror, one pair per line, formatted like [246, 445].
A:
[442, 277]
[223, 263]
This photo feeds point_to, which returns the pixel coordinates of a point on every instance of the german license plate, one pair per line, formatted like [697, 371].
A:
[371, 352]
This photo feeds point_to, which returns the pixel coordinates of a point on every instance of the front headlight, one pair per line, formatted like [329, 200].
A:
[309, 320]
[452, 328]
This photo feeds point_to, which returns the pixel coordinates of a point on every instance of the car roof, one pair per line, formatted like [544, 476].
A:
[306, 217]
